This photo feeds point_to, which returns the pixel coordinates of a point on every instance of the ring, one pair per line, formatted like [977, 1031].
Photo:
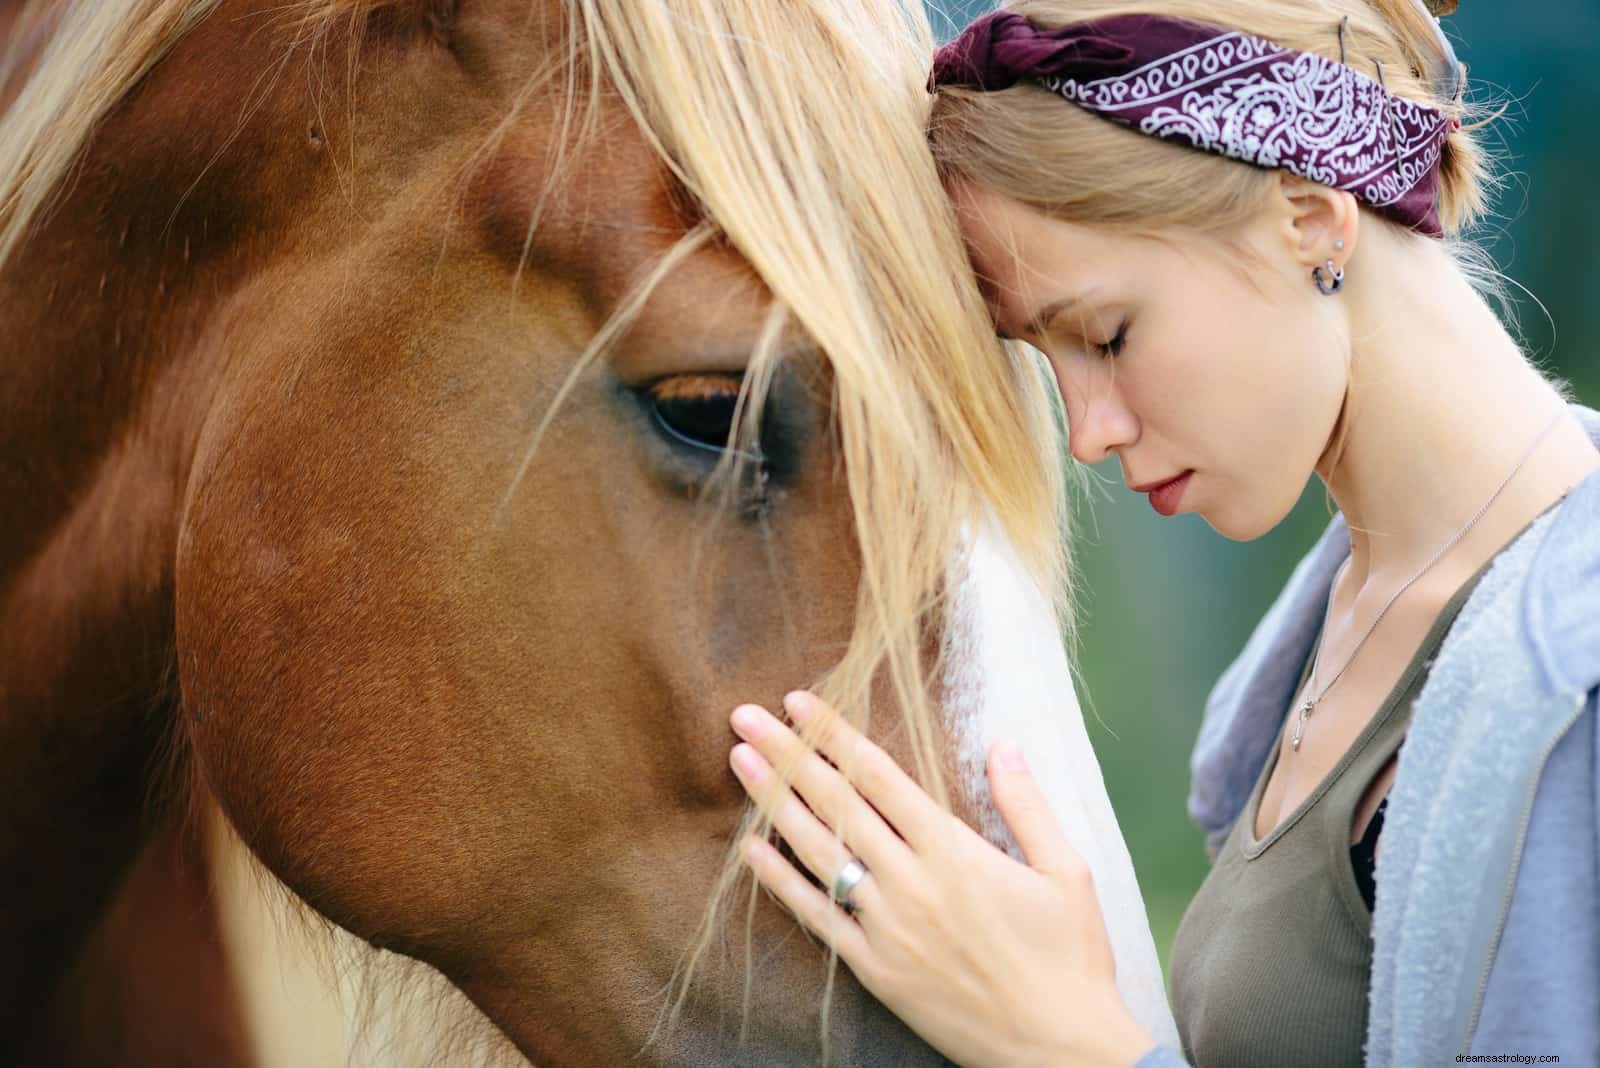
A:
[848, 879]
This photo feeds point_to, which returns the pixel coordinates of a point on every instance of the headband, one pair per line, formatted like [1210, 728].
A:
[1222, 91]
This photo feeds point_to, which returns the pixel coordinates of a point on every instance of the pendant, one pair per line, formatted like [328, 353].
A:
[1300, 725]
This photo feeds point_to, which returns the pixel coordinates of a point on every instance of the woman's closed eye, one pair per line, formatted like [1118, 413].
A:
[1114, 346]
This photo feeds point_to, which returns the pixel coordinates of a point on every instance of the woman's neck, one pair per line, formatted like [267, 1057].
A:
[1442, 407]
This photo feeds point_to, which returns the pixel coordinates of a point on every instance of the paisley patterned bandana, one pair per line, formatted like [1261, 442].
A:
[1226, 92]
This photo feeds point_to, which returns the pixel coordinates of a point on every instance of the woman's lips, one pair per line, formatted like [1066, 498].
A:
[1166, 496]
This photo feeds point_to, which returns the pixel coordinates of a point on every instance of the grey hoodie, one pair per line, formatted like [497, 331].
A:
[1486, 930]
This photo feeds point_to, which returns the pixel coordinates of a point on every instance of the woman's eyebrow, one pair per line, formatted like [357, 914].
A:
[1047, 314]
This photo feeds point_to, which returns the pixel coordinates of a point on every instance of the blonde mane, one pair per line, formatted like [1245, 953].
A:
[799, 127]
[97, 53]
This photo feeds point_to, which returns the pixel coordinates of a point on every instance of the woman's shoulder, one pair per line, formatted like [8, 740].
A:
[1560, 603]
[1497, 777]
[1527, 642]
[1539, 603]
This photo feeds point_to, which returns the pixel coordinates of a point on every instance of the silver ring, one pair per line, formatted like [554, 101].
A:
[1334, 280]
[847, 880]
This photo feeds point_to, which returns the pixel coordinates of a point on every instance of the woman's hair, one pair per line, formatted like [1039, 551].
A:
[1036, 148]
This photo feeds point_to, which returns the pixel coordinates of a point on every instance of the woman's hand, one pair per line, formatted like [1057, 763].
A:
[991, 961]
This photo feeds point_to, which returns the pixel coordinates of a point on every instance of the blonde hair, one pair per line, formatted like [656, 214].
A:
[799, 127]
[1035, 148]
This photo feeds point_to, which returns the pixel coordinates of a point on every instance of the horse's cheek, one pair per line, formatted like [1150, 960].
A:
[315, 706]
[247, 740]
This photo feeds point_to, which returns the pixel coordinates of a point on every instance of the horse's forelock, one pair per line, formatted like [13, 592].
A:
[799, 127]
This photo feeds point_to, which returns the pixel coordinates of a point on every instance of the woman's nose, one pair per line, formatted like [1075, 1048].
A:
[1097, 426]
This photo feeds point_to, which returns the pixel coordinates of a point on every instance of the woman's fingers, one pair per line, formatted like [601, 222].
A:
[810, 906]
[872, 771]
[957, 938]
[1026, 810]
[825, 791]
[818, 848]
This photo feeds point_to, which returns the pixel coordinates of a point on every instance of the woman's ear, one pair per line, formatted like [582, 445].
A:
[1318, 222]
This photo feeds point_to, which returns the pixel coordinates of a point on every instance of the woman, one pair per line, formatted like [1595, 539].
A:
[1227, 223]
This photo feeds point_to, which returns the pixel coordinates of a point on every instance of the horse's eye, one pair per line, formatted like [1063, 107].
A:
[696, 410]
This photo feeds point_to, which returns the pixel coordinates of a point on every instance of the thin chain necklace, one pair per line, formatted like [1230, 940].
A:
[1309, 705]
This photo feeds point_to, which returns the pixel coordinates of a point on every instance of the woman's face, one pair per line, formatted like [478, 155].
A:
[1186, 358]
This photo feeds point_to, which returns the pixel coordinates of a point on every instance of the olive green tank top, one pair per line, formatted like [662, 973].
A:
[1273, 959]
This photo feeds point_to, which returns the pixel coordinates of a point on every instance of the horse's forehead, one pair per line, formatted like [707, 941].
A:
[609, 205]
[602, 214]
[597, 205]
[593, 203]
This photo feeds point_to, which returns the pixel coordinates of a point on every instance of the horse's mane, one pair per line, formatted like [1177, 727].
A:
[798, 127]
[95, 55]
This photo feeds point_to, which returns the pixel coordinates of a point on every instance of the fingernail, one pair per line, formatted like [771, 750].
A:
[797, 704]
[1009, 757]
[746, 719]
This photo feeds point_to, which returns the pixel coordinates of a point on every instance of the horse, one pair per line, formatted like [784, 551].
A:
[422, 420]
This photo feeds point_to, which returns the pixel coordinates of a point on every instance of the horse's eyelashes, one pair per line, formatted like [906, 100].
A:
[706, 420]
[697, 410]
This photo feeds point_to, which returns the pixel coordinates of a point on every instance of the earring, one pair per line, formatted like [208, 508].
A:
[1330, 282]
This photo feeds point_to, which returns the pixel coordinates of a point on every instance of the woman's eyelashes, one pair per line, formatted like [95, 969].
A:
[1114, 346]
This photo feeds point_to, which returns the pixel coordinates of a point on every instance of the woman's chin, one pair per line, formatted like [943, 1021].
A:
[1241, 525]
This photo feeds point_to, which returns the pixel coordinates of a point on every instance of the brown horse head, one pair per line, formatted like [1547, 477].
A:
[427, 420]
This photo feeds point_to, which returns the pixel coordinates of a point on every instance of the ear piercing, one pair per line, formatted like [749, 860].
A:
[1329, 279]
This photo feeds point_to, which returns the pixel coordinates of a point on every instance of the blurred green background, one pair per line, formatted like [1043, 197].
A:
[1168, 603]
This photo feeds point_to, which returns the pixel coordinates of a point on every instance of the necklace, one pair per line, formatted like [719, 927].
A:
[1309, 705]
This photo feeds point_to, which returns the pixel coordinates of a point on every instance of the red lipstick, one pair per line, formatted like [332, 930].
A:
[1166, 496]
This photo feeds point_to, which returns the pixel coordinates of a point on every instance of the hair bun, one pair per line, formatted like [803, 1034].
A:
[1444, 72]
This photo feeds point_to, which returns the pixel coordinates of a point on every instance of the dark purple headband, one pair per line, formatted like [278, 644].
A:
[1222, 91]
